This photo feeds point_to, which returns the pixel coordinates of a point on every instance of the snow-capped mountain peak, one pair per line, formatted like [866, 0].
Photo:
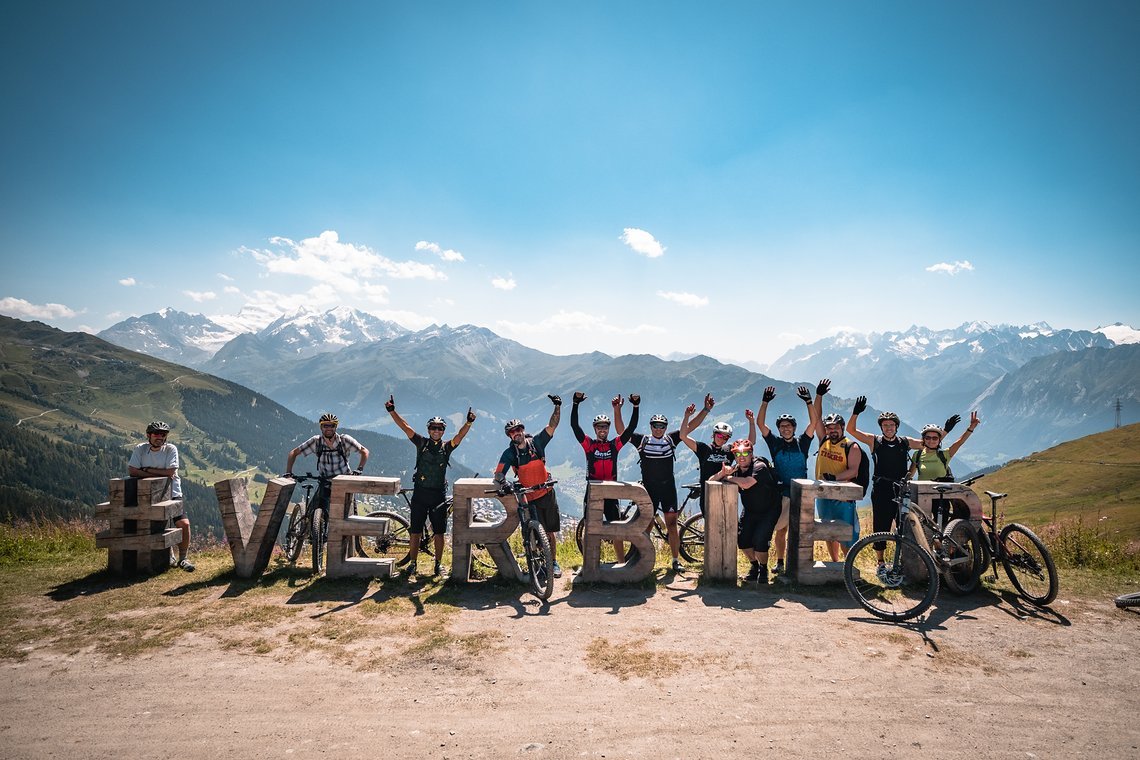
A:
[1119, 333]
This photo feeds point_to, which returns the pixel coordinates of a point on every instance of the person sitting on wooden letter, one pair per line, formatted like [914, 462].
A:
[158, 459]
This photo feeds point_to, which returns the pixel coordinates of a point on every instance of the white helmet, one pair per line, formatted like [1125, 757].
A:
[723, 428]
[659, 419]
[602, 419]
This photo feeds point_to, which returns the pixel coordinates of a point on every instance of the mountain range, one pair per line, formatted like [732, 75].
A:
[350, 361]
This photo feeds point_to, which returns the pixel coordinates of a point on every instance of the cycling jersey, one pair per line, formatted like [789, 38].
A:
[657, 456]
[789, 458]
[601, 456]
[432, 459]
[528, 463]
[891, 458]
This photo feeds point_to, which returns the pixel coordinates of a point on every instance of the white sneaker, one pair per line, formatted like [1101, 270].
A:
[557, 570]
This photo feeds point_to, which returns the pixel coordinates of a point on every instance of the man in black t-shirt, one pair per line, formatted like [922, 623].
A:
[429, 481]
[789, 458]
[760, 498]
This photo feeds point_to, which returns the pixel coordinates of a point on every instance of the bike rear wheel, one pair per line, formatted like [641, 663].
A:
[904, 589]
[395, 544]
[540, 561]
[1028, 564]
[693, 539]
[318, 534]
[295, 533]
[1127, 600]
[963, 551]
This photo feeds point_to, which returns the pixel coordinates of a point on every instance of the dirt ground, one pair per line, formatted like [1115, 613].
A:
[680, 669]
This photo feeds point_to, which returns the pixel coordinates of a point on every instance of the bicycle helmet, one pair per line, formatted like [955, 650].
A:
[889, 417]
[742, 446]
[659, 419]
[437, 421]
[602, 419]
[511, 425]
[932, 428]
[785, 418]
[834, 419]
[158, 426]
[328, 418]
[723, 428]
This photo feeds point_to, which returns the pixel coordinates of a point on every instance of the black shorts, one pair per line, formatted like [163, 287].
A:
[662, 496]
[547, 508]
[884, 510]
[424, 503]
[756, 528]
[610, 510]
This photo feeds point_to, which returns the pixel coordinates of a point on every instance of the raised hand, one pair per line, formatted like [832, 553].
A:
[470, 415]
[951, 421]
[804, 394]
[390, 404]
[635, 398]
[860, 406]
[710, 402]
[748, 415]
[823, 387]
[974, 421]
[554, 399]
[769, 394]
[690, 409]
[579, 397]
[617, 401]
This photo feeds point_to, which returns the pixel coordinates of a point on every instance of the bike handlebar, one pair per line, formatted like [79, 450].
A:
[516, 487]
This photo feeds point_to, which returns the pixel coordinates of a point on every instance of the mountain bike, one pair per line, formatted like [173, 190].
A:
[915, 555]
[309, 521]
[1026, 560]
[691, 529]
[536, 545]
[1127, 600]
[396, 543]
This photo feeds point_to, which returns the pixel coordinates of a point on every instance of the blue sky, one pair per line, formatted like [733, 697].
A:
[725, 178]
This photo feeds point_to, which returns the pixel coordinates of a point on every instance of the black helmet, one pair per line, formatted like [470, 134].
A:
[328, 418]
[158, 426]
[889, 416]
[785, 418]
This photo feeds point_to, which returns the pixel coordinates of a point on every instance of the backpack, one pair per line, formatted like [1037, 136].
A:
[341, 448]
[423, 450]
[942, 458]
[645, 439]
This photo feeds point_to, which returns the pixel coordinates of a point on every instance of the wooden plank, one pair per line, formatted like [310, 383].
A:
[251, 537]
[634, 531]
[465, 532]
[721, 523]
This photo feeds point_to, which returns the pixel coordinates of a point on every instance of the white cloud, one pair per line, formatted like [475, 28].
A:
[127, 282]
[348, 269]
[445, 254]
[951, 268]
[231, 290]
[684, 299]
[200, 296]
[18, 307]
[225, 277]
[504, 283]
[642, 242]
[575, 321]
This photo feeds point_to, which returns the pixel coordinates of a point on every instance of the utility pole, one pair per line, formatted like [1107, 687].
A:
[1117, 411]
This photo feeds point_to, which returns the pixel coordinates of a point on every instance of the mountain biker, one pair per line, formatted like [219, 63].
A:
[526, 457]
[760, 497]
[601, 453]
[429, 481]
[932, 463]
[789, 458]
[711, 457]
[890, 454]
[658, 452]
[837, 460]
[332, 450]
[159, 459]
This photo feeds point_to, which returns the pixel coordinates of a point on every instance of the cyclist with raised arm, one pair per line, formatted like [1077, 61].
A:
[837, 460]
[712, 456]
[601, 452]
[159, 459]
[760, 498]
[429, 481]
[890, 453]
[789, 458]
[526, 458]
[931, 462]
[331, 450]
[658, 452]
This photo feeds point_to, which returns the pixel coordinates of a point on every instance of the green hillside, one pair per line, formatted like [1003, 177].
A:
[1095, 479]
[72, 405]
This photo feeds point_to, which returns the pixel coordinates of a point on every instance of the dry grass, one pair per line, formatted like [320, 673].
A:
[633, 658]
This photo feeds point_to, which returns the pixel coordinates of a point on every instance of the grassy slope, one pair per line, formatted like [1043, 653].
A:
[1095, 479]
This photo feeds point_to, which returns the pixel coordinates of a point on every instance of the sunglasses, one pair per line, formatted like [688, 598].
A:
[658, 425]
[519, 429]
[931, 437]
[744, 455]
[435, 427]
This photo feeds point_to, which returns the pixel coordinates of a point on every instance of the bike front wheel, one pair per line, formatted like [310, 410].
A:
[1028, 564]
[539, 560]
[693, 539]
[902, 588]
[395, 544]
[318, 533]
[295, 533]
[1127, 600]
[962, 552]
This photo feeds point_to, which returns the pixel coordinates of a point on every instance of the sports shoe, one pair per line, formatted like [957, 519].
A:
[779, 569]
[438, 569]
[557, 570]
[753, 574]
[881, 571]
[173, 559]
[677, 567]
[762, 576]
[186, 565]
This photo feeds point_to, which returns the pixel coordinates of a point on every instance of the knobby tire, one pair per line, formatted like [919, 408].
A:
[1028, 564]
[693, 539]
[395, 544]
[540, 562]
[1128, 600]
[295, 533]
[964, 543]
[911, 584]
[318, 533]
